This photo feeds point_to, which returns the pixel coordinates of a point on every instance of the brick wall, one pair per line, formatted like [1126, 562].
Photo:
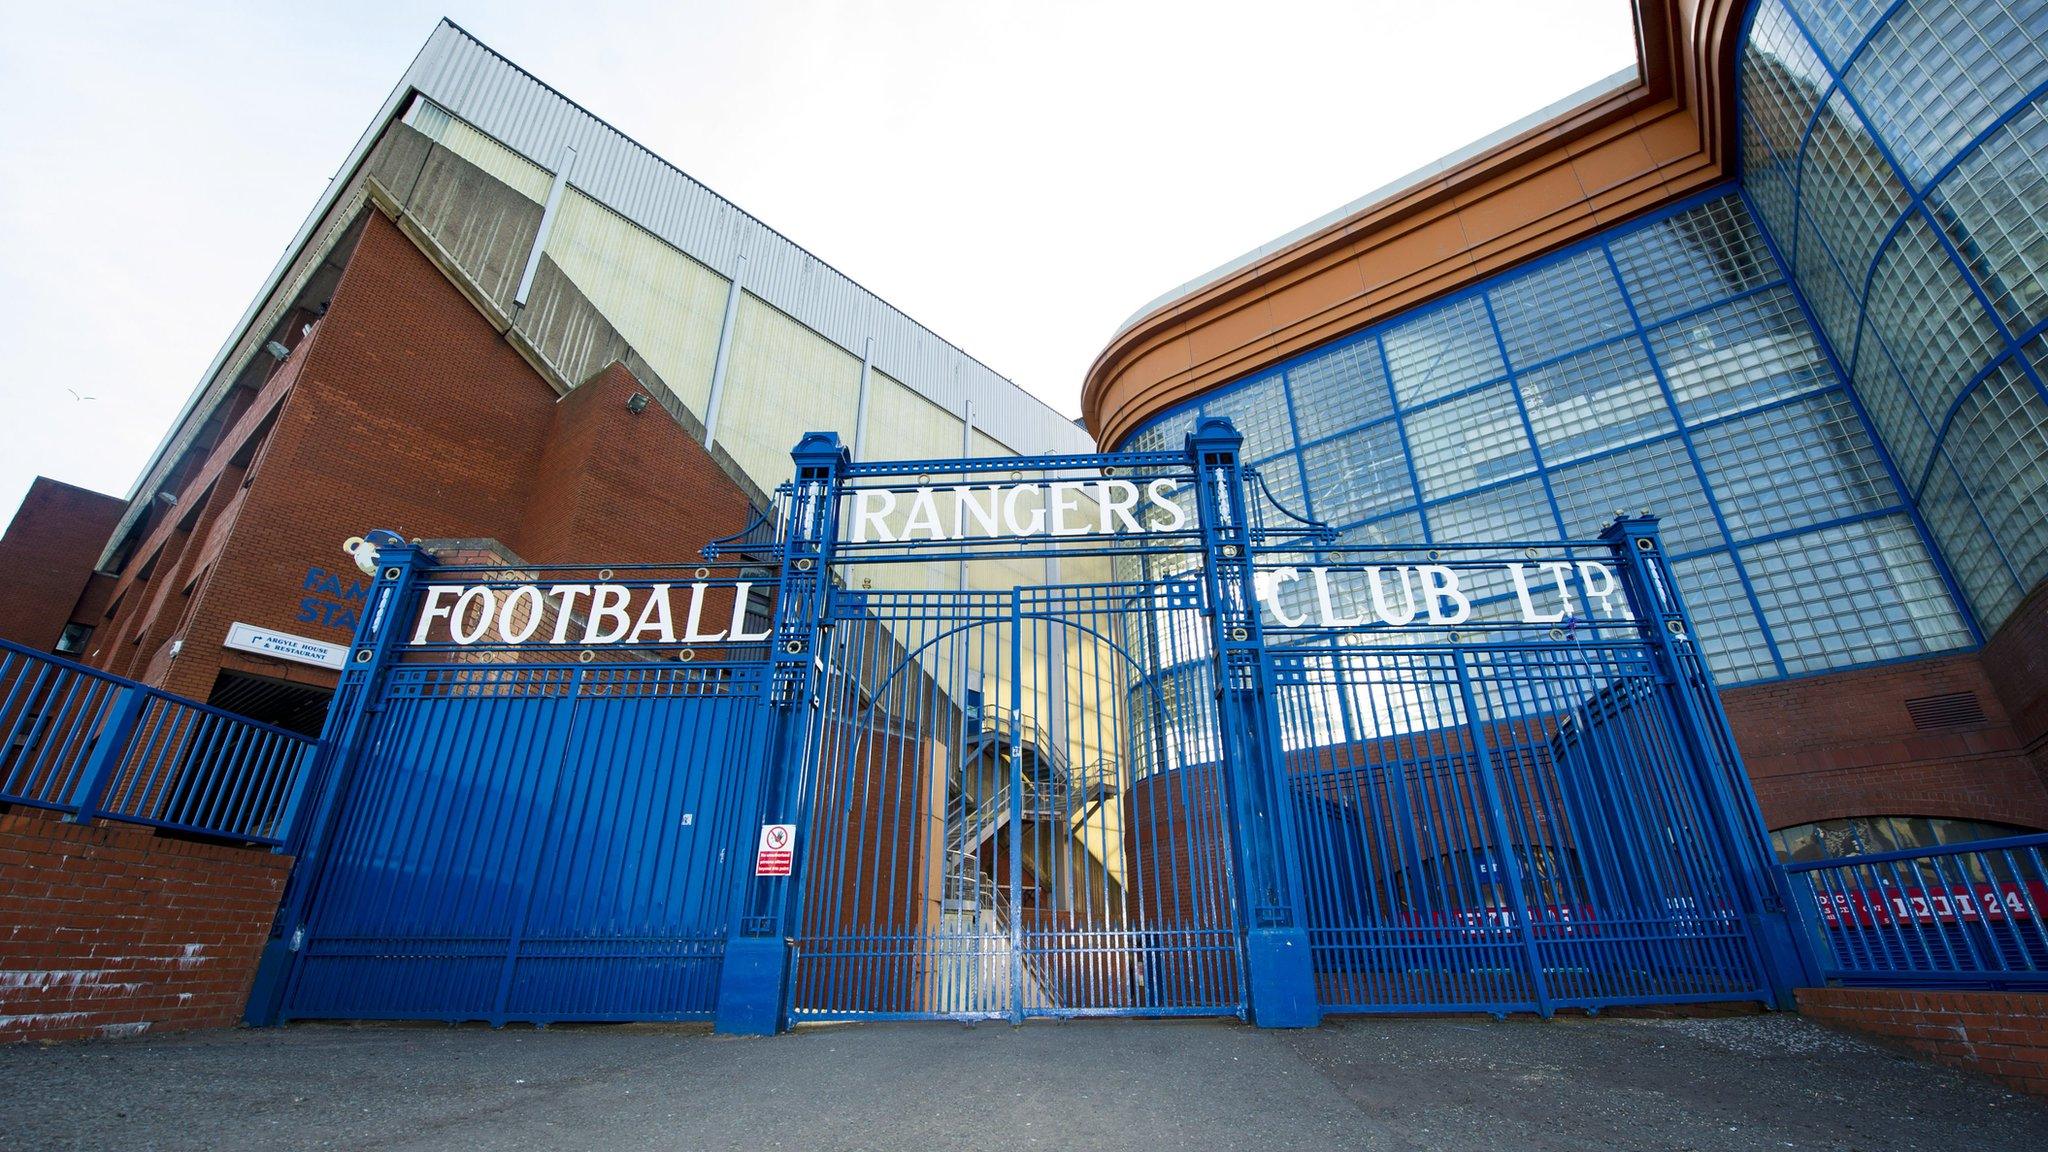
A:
[1175, 845]
[1844, 745]
[406, 410]
[46, 556]
[2017, 658]
[112, 930]
[2001, 1034]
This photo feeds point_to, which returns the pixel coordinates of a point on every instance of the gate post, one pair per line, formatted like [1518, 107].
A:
[753, 984]
[380, 630]
[1710, 748]
[1280, 980]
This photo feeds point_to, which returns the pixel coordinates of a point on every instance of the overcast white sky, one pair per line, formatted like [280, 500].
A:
[1019, 177]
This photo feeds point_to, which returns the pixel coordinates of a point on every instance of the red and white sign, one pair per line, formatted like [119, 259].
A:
[1881, 907]
[777, 850]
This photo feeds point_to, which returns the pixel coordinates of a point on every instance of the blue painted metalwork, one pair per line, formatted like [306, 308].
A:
[1505, 816]
[97, 746]
[753, 995]
[1917, 203]
[1644, 331]
[992, 831]
[1962, 915]
[1277, 961]
[512, 831]
[1152, 789]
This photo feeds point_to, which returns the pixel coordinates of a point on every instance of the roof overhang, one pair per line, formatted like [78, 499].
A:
[1624, 149]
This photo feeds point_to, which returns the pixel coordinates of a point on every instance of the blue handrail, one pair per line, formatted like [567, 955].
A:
[94, 745]
[1956, 915]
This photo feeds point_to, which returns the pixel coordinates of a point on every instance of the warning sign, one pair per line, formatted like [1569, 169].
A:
[778, 847]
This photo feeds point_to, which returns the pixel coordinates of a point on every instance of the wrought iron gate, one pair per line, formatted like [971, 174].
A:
[519, 830]
[991, 834]
[1107, 734]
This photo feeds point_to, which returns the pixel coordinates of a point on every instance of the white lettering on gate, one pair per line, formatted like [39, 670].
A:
[1400, 594]
[1393, 595]
[656, 617]
[693, 631]
[478, 614]
[608, 622]
[995, 511]
[1527, 600]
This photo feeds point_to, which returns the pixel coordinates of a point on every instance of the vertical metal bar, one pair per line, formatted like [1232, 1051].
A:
[108, 751]
[1016, 814]
[378, 633]
[547, 224]
[859, 447]
[755, 979]
[1496, 815]
[723, 357]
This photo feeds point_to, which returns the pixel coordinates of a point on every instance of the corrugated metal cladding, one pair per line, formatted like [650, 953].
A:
[467, 78]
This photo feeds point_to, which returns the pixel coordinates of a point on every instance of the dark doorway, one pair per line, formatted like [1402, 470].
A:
[298, 708]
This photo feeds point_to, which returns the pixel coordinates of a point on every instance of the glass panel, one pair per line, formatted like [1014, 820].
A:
[1852, 594]
[1800, 464]
[1837, 304]
[1358, 476]
[1838, 25]
[1657, 479]
[1339, 388]
[1781, 79]
[1467, 442]
[1848, 191]
[1994, 208]
[1281, 477]
[1745, 353]
[1442, 351]
[1559, 307]
[1598, 399]
[1512, 512]
[1891, 405]
[1940, 71]
[1730, 634]
[1259, 410]
[1165, 434]
[1693, 259]
[1938, 333]
[1959, 531]
[1999, 444]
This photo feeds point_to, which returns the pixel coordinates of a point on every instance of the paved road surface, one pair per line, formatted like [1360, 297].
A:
[1741, 1082]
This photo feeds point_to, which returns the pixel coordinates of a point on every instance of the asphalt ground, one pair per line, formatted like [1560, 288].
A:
[1736, 1082]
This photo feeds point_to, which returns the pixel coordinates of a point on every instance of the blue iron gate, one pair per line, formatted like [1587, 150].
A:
[991, 833]
[1505, 823]
[1107, 734]
[529, 830]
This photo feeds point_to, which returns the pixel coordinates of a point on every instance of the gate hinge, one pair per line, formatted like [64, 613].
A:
[298, 938]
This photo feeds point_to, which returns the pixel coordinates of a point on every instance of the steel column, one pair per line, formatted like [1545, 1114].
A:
[1281, 986]
[1709, 746]
[753, 987]
[379, 632]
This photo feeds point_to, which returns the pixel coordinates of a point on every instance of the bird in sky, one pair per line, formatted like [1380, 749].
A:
[75, 395]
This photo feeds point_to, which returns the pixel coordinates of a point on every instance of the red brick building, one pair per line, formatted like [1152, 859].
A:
[46, 555]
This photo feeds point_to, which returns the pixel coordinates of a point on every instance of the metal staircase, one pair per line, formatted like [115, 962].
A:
[1052, 793]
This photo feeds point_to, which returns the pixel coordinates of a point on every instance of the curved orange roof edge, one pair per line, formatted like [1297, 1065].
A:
[1667, 135]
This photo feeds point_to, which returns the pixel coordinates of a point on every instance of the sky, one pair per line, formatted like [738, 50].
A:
[1018, 177]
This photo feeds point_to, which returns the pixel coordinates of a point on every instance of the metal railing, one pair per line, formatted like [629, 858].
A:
[94, 745]
[1963, 915]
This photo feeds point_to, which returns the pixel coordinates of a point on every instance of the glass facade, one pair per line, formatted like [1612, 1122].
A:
[1896, 157]
[1667, 367]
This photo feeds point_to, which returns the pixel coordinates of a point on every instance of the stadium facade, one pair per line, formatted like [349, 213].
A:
[1780, 287]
